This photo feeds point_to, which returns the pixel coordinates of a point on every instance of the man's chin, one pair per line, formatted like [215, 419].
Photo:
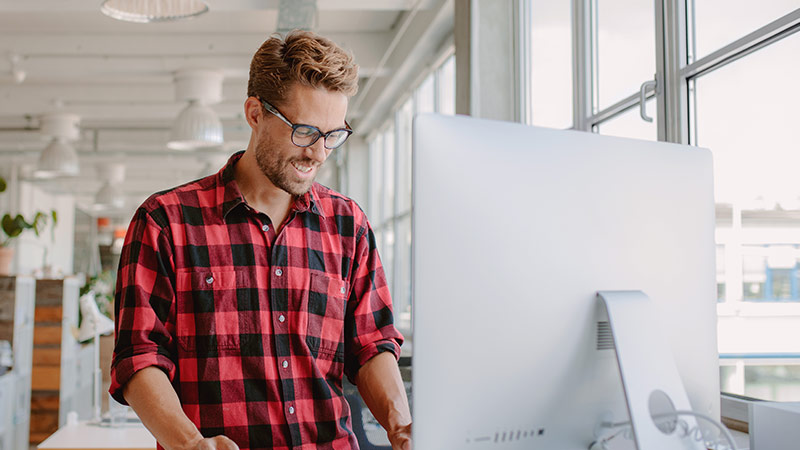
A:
[299, 189]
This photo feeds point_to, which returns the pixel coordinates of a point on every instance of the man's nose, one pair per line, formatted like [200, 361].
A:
[317, 151]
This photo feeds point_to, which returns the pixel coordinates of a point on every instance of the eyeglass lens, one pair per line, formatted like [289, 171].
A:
[304, 136]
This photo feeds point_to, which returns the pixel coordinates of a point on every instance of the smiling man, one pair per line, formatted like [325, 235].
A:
[245, 297]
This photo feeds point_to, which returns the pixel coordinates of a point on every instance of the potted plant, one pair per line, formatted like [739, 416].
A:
[13, 226]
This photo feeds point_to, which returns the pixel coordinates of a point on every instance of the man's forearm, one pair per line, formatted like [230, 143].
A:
[381, 387]
[152, 396]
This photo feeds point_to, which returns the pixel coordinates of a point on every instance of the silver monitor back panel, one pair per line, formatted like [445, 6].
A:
[515, 230]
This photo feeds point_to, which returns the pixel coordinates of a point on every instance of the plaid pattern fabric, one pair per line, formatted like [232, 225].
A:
[254, 329]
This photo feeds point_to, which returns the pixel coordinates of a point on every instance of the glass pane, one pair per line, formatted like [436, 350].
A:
[551, 63]
[387, 253]
[425, 96]
[446, 87]
[626, 48]
[387, 206]
[404, 117]
[748, 117]
[402, 285]
[630, 124]
[375, 178]
[720, 22]
[775, 381]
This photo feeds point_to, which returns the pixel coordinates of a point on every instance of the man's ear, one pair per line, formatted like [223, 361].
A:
[253, 112]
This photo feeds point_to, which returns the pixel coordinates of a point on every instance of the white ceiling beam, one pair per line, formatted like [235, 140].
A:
[414, 53]
[120, 111]
[214, 5]
[366, 47]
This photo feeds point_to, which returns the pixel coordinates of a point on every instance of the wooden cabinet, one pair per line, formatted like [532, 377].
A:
[62, 368]
[16, 326]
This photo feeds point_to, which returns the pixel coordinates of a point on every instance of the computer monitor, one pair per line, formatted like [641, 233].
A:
[515, 230]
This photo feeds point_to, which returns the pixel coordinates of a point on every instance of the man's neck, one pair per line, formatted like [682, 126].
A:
[260, 193]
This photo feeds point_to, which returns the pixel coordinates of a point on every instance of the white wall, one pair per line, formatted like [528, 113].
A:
[58, 242]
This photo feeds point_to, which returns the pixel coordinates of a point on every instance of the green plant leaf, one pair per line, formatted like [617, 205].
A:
[21, 223]
[54, 214]
[2, 184]
[8, 225]
[37, 222]
[12, 226]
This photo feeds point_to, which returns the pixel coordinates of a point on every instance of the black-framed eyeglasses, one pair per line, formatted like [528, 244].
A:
[307, 135]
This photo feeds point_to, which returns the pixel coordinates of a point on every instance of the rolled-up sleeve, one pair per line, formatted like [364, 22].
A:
[144, 301]
[369, 323]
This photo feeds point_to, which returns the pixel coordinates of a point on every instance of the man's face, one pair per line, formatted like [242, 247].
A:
[289, 167]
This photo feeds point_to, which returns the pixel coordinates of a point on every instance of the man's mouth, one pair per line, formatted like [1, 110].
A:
[302, 168]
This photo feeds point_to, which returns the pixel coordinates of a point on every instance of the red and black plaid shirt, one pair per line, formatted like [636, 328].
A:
[254, 329]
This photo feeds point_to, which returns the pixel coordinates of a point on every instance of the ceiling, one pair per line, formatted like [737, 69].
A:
[118, 77]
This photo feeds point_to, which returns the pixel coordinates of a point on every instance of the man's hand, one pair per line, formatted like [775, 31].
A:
[216, 443]
[401, 439]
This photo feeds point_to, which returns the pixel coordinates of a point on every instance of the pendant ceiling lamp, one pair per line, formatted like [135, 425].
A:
[110, 196]
[147, 11]
[59, 158]
[197, 126]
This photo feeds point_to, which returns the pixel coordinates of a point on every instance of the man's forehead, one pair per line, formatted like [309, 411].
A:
[307, 104]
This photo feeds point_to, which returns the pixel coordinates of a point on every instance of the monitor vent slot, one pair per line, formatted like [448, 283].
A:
[605, 341]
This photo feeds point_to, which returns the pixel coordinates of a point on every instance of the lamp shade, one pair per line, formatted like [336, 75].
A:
[109, 197]
[197, 126]
[58, 159]
[146, 11]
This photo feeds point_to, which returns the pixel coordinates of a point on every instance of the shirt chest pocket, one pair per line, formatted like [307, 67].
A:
[325, 311]
[216, 313]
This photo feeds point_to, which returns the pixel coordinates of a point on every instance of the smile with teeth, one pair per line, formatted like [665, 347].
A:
[301, 168]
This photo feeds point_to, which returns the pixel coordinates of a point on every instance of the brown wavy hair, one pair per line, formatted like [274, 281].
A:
[301, 57]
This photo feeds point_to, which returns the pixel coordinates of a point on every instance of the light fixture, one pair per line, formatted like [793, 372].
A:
[59, 158]
[147, 11]
[197, 126]
[110, 197]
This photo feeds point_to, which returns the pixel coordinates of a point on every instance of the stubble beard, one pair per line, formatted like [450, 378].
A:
[279, 170]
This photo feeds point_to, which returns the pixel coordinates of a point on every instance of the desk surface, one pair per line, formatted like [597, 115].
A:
[84, 436]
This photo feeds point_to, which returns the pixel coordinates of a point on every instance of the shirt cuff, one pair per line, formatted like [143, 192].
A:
[368, 352]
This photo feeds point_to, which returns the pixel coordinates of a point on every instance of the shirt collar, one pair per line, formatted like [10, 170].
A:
[229, 196]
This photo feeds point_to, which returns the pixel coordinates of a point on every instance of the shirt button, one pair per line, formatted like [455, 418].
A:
[265, 228]
[278, 272]
[342, 290]
[210, 280]
[285, 364]
[281, 319]
[291, 410]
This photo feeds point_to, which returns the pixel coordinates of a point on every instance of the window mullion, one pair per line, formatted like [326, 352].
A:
[582, 31]
[672, 91]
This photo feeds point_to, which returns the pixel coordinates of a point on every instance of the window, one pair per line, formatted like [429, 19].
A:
[551, 63]
[390, 153]
[725, 72]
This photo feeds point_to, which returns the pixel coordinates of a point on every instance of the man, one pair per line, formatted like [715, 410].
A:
[244, 297]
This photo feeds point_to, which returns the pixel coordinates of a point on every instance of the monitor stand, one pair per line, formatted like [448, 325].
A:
[650, 379]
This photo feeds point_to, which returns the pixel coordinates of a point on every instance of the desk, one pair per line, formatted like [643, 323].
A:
[84, 436]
